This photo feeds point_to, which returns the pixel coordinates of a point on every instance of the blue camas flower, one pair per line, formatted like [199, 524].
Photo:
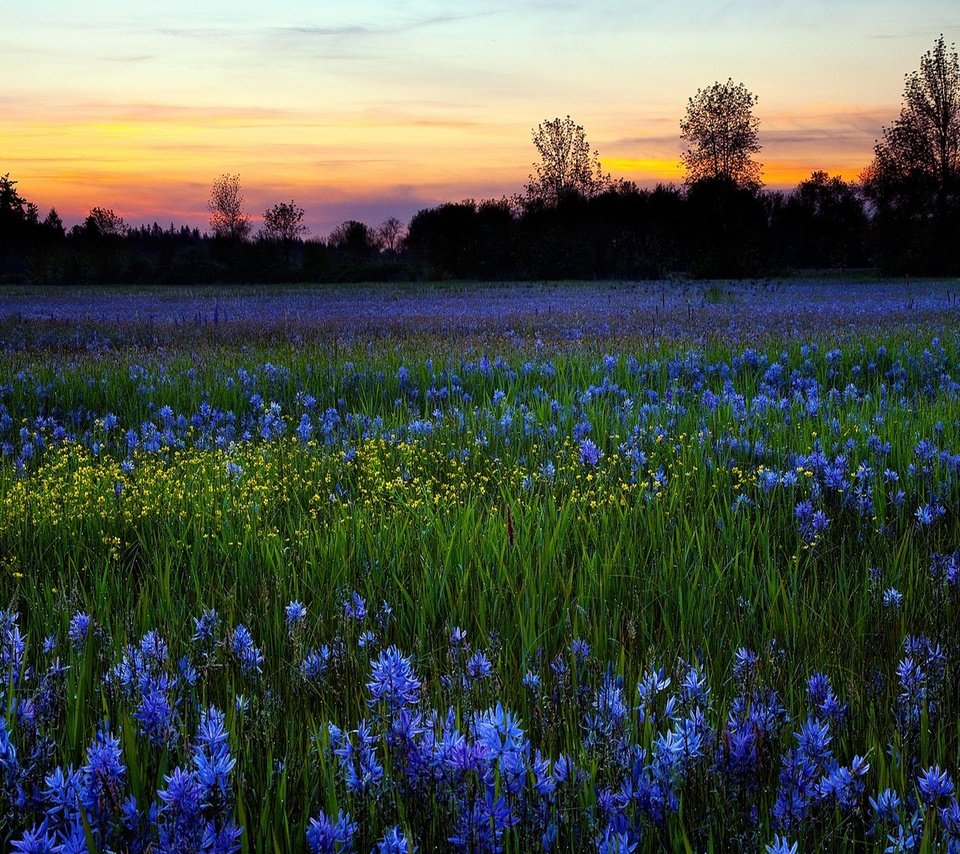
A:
[81, 625]
[331, 837]
[243, 649]
[393, 681]
[393, 842]
[935, 785]
[295, 614]
[590, 454]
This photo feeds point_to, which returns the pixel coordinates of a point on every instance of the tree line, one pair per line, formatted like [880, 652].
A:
[572, 220]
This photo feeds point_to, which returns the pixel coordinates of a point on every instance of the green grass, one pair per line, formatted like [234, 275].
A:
[668, 572]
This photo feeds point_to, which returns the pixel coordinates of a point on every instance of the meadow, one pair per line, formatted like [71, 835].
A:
[615, 567]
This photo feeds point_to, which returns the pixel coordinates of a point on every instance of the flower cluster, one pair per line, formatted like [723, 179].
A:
[469, 775]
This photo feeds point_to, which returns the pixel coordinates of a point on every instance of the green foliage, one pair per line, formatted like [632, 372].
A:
[681, 569]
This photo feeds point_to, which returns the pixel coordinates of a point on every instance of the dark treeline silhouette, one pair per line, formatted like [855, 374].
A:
[572, 221]
[710, 228]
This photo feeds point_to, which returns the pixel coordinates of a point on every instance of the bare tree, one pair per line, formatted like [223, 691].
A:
[227, 219]
[721, 133]
[567, 165]
[391, 235]
[283, 224]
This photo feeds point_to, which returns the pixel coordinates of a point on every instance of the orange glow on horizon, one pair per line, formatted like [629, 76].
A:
[157, 162]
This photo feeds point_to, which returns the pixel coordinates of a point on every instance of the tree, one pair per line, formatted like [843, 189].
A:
[19, 223]
[355, 240]
[914, 180]
[103, 222]
[463, 240]
[283, 224]
[822, 223]
[721, 135]
[925, 140]
[567, 166]
[15, 211]
[12, 204]
[391, 235]
[227, 219]
[53, 224]
[727, 229]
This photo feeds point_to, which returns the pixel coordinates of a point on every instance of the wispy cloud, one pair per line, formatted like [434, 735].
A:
[400, 26]
[321, 31]
[828, 130]
[130, 58]
[914, 33]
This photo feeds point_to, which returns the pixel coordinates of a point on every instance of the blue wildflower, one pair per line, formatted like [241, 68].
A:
[581, 650]
[295, 613]
[745, 665]
[394, 842]
[156, 714]
[393, 681]
[590, 454]
[615, 842]
[205, 626]
[935, 785]
[37, 840]
[892, 598]
[355, 607]
[479, 667]
[330, 837]
[314, 666]
[886, 806]
[221, 839]
[102, 779]
[781, 845]
[81, 625]
[180, 825]
[458, 637]
[243, 649]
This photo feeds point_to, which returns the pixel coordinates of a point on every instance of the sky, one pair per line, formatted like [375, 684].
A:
[376, 108]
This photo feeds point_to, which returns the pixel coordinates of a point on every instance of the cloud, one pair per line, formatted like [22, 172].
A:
[131, 58]
[911, 33]
[407, 26]
[320, 31]
[81, 113]
[836, 130]
[197, 32]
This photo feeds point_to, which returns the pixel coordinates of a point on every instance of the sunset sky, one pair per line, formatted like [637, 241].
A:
[370, 109]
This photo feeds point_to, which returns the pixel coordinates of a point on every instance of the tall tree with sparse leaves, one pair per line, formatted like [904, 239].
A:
[722, 136]
[227, 219]
[567, 165]
[925, 140]
[914, 179]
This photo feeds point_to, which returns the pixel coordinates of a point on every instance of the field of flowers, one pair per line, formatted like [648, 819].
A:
[568, 568]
